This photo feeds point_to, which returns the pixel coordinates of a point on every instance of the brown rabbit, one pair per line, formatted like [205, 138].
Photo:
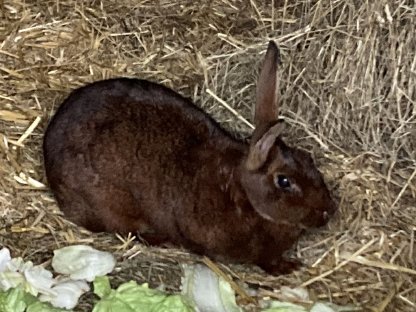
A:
[128, 155]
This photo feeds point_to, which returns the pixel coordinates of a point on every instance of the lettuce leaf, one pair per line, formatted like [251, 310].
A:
[131, 297]
[17, 300]
[82, 262]
[12, 300]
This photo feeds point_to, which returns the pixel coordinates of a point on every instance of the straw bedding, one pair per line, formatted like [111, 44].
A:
[348, 95]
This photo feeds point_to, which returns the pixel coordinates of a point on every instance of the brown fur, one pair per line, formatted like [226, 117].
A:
[127, 155]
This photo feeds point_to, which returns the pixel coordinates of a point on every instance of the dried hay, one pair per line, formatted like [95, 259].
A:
[348, 81]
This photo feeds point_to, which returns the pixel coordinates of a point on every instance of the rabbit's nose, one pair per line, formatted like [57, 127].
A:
[329, 212]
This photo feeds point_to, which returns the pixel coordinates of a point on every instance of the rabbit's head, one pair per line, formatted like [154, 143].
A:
[282, 183]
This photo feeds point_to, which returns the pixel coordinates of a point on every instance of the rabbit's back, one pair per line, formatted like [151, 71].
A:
[138, 108]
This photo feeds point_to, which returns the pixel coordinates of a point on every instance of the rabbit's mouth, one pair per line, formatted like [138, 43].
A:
[292, 224]
[310, 221]
[324, 217]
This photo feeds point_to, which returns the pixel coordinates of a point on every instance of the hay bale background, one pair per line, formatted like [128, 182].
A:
[348, 95]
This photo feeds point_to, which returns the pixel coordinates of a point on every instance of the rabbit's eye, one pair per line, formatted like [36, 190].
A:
[282, 181]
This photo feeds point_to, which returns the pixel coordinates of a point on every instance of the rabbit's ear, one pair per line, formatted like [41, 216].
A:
[266, 110]
[260, 149]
